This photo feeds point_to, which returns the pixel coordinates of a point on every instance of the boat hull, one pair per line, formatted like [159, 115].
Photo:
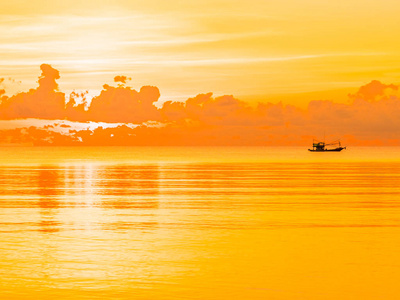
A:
[328, 150]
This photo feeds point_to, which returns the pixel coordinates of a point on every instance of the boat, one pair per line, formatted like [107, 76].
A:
[326, 147]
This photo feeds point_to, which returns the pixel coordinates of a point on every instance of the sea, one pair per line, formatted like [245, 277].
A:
[199, 223]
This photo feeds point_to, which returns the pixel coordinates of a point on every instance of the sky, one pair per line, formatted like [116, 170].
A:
[252, 49]
[258, 52]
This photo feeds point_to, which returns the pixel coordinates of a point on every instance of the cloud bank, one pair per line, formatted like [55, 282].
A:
[371, 117]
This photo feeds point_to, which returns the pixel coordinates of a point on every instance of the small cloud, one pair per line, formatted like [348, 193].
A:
[122, 79]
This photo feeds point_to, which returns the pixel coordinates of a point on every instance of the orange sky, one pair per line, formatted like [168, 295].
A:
[253, 47]
[258, 51]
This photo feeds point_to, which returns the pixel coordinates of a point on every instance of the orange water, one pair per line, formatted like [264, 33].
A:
[199, 223]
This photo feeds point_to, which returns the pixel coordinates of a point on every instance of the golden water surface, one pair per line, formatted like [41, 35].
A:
[199, 223]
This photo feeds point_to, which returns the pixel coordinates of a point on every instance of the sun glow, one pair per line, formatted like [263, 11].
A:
[177, 47]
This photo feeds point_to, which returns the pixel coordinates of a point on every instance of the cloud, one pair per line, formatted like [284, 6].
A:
[36, 136]
[44, 102]
[124, 104]
[114, 104]
[373, 90]
[370, 117]
[122, 79]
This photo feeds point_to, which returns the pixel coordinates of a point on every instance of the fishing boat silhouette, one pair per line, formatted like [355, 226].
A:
[334, 146]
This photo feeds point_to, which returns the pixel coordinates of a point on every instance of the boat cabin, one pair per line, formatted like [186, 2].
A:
[320, 146]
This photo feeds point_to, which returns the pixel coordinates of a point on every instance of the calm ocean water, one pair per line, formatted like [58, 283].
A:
[199, 223]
